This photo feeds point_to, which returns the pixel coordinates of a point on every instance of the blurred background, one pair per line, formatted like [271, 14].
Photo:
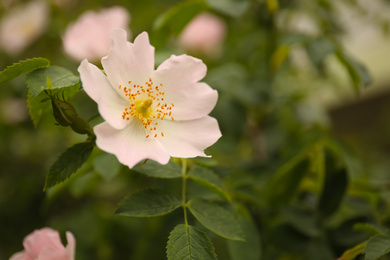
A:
[290, 74]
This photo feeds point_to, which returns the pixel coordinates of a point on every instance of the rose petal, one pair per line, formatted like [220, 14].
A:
[179, 75]
[205, 33]
[88, 38]
[71, 246]
[14, 37]
[187, 139]
[35, 242]
[20, 256]
[129, 145]
[50, 253]
[191, 102]
[111, 102]
[127, 61]
[178, 71]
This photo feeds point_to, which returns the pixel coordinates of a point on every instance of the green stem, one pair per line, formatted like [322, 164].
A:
[183, 192]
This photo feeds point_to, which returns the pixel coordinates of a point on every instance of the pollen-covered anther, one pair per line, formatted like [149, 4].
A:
[142, 106]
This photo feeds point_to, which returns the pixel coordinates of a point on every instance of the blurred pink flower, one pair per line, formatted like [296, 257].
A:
[45, 244]
[23, 25]
[150, 114]
[89, 37]
[205, 34]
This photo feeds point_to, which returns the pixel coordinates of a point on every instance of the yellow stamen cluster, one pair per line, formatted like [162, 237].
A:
[143, 99]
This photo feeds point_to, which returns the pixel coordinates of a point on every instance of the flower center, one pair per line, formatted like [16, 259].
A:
[143, 105]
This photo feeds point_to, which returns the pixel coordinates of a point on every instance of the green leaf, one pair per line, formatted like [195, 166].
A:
[318, 49]
[302, 220]
[371, 229]
[283, 185]
[189, 243]
[22, 67]
[251, 248]
[154, 169]
[317, 165]
[377, 246]
[234, 8]
[176, 18]
[59, 77]
[352, 253]
[334, 190]
[359, 75]
[37, 106]
[217, 219]
[107, 165]
[335, 185]
[68, 163]
[319, 250]
[148, 203]
[208, 179]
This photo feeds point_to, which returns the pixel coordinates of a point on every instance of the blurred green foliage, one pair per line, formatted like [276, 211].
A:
[298, 189]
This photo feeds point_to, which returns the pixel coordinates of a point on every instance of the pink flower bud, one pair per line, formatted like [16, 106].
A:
[89, 37]
[205, 34]
[45, 244]
[23, 25]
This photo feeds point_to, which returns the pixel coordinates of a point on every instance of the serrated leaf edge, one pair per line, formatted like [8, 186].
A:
[188, 240]
[56, 183]
[139, 191]
[222, 209]
[26, 72]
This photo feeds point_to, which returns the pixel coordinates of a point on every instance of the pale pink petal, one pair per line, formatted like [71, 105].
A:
[111, 102]
[89, 37]
[187, 139]
[20, 256]
[39, 239]
[179, 76]
[178, 71]
[129, 61]
[129, 145]
[71, 246]
[22, 25]
[192, 102]
[50, 253]
[205, 33]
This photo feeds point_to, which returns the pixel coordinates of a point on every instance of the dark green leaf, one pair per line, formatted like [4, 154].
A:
[176, 18]
[301, 220]
[371, 229]
[59, 77]
[22, 67]
[208, 179]
[234, 8]
[251, 248]
[352, 253]
[377, 246]
[283, 185]
[37, 106]
[286, 238]
[359, 75]
[319, 49]
[335, 185]
[107, 165]
[154, 169]
[217, 219]
[68, 163]
[148, 203]
[319, 250]
[189, 243]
